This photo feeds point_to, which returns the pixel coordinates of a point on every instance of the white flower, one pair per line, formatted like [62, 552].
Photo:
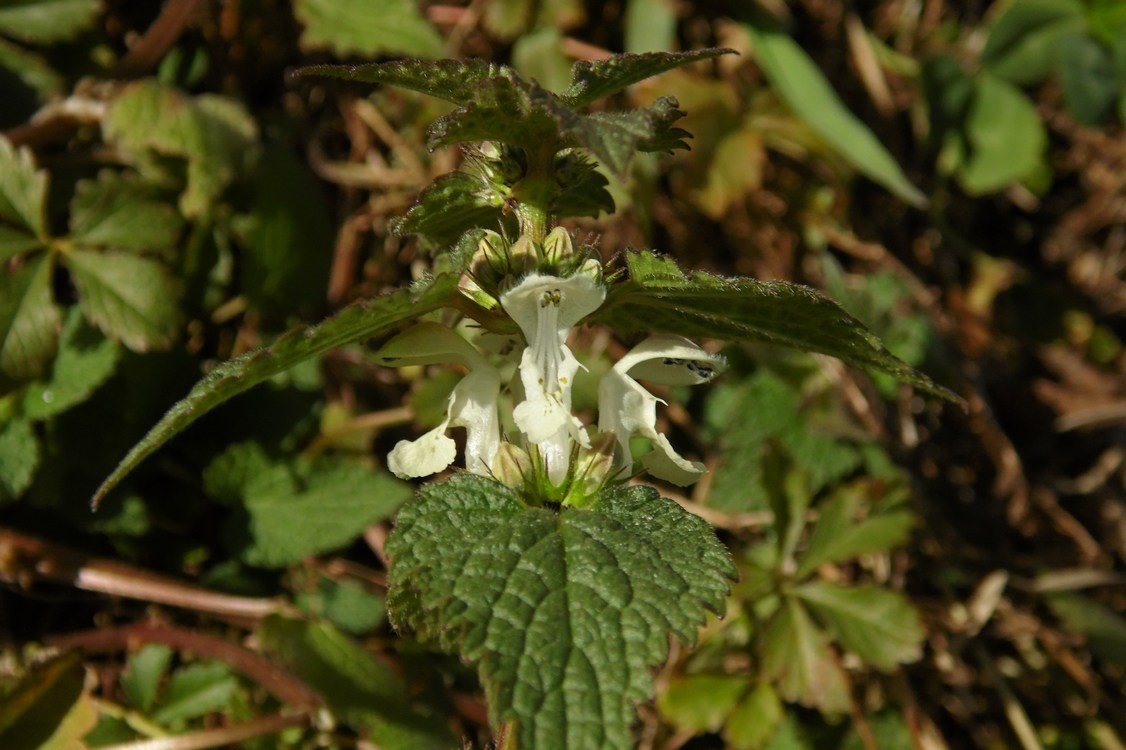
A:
[626, 409]
[472, 403]
[546, 308]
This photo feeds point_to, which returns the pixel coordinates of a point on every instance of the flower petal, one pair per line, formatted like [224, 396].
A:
[429, 344]
[665, 463]
[427, 455]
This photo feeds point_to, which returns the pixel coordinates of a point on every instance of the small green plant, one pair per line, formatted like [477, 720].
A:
[538, 561]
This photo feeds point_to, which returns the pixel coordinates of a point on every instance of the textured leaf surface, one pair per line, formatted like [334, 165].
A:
[29, 321]
[660, 297]
[46, 20]
[23, 191]
[878, 625]
[117, 212]
[130, 298]
[355, 323]
[358, 689]
[451, 205]
[354, 27]
[810, 95]
[594, 80]
[564, 612]
[452, 80]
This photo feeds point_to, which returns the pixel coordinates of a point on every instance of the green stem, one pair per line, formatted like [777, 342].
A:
[506, 736]
[534, 193]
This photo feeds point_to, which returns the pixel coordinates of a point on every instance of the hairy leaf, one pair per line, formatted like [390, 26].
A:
[118, 212]
[455, 81]
[349, 27]
[23, 192]
[354, 323]
[564, 612]
[614, 137]
[658, 296]
[453, 204]
[878, 625]
[357, 688]
[806, 90]
[507, 109]
[130, 298]
[41, 21]
[29, 321]
[592, 80]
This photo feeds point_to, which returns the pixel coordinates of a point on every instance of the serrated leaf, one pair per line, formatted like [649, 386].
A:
[564, 613]
[614, 137]
[144, 673]
[196, 690]
[453, 204]
[42, 21]
[33, 711]
[702, 702]
[128, 297]
[1005, 137]
[454, 81]
[507, 109]
[1089, 81]
[582, 189]
[214, 134]
[29, 321]
[837, 537]
[354, 27]
[324, 510]
[19, 457]
[658, 296]
[592, 80]
[86, 359]
[122, 213]
[755, 720]
[795, 654]
[878, 625]
[357, 688]
[354, 323]
[809, 94]
[23, 191]
[1024, 42]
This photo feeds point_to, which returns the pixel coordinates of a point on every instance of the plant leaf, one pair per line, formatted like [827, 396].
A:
[358, 689]
[349, 27]
[23, 193]
[1004, 134]
[144, 672]
[837, 537]
[86, 359]
[454, 81]
[878, 625]
[41, 21]
[702, 702]
[755, 720]
[1089, 81]
[19, 457]
[1102, 627]
[196, 690]
[592, 80]
[809, 94]
[658, 296]
[29, 321]
[451, 205]
[614, 137]
[507, 109]
[129, 297]
[122, 213]
[795, 654]
[354, 323]
[47, 708]
[1024, 42]
[564, 613]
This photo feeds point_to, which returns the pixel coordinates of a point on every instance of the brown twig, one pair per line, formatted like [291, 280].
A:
[221, 737]
[159, 37]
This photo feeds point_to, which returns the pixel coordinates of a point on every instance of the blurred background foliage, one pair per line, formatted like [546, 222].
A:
[911, 574]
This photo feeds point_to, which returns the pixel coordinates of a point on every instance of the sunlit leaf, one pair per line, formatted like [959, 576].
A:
[596, 79]
[455, 81]
[118, 212]
[838, 536]
[878, 625]
[354, 27]
[85, 360]
[23, 193]
[564, 612]
[29, 321]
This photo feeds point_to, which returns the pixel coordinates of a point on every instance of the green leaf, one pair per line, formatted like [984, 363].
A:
[144, 673]
[507, 109]
[130, 298]
[123, 213]
[701, 702]
[755, 720]
[1024, 42]
[47, 708]
[288, 235]
[19, 457]
[451, 205]
[45, 21]
[293, 517]
[538, 56]
[810, 95]
[1090, 82]
[86, 359]
[358, 689]
[214, 134]
[797, 656]
[614, 137]
[1005, 137]
[354, 323]
[582, 188]
[879, 626]
[1104, 629]
[888, 728]
[346, 604]
[650, 25]
[564, 613]
[33, 71]
[837, 537]
[350, 27]
[23, 194]
[658, 296]
[455, 81]
[29, 321]
[592, 80]
[196, 690]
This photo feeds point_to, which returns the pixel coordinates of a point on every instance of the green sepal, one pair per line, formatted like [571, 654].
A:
[592, 80]
[658, 296]
[565, 613]
[354, 323]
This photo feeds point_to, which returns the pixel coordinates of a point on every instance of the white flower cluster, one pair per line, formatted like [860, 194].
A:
[546, 307]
